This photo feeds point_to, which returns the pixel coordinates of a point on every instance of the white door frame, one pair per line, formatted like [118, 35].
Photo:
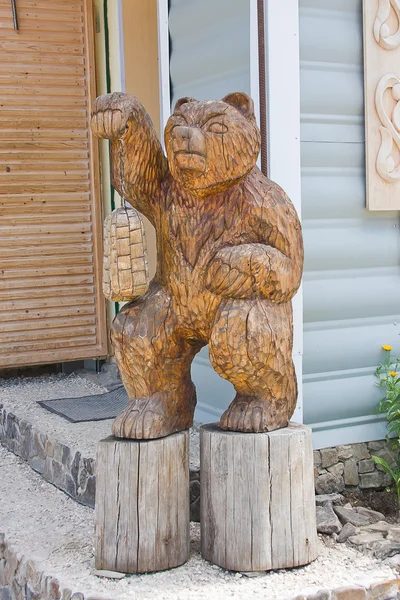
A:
[282, 60]
[163, 64]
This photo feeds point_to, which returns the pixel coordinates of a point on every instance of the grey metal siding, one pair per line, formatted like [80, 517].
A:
[352, 273]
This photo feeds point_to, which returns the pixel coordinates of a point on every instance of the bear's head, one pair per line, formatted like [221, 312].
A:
[212, 144]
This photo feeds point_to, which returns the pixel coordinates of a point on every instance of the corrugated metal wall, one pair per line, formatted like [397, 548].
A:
[210, 57]
[352, 274]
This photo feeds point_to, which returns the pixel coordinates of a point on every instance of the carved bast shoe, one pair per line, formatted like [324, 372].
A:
[153, 417]
[254, 415]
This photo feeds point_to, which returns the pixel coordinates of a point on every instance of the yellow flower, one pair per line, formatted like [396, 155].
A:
[393, 373]
[387, 348]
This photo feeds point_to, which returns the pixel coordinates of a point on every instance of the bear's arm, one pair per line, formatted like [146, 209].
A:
[138, 164]
[273, 266]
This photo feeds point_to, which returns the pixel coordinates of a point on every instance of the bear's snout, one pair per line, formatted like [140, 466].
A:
[189, 147]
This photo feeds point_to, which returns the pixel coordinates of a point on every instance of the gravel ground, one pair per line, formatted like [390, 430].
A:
[50, 528]
[20, 395]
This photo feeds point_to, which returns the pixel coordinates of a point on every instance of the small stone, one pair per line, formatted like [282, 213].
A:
[39, 444]
[317, 458]
[349, 515]
[381, 526]
[337, 469]
[389, 550]
[393, 561]
[329, 484]
[109, 574]
[5, 593]
[49, 448]
[345, 452]
[373, 515]
[360, 451]
[3, 579]
[387, 456]
[366, 466]
[87, 495]
[329, 457]
[364, 539]
[351, 472]
[66, 456]
[386, 590]
[32, 574]
[78, 596]
[17, 593]
[52, 589]
[320, 595]
[394, 534]
[376, 445]
[350, 592]
[327, 521]
[371, 480]
[347, 531]
[37, 464]
[321, 499]
[66, 595]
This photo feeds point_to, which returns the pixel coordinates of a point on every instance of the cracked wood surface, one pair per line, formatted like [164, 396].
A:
[142, 504]
[230, 258]
[257, 503]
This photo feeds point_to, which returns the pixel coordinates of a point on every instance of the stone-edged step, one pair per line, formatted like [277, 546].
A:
[64, 453]
[46, 553]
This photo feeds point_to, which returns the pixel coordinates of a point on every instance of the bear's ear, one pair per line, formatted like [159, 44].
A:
[181, 101]
[242, 102]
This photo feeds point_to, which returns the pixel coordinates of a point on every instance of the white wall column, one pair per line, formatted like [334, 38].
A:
[282, 62]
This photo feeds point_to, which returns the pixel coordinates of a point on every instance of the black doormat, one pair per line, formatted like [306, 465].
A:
[89, 408]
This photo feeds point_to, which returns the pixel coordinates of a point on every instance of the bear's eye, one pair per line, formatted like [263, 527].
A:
[217, 127]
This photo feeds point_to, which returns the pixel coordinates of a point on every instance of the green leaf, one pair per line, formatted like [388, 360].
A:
[380, 461]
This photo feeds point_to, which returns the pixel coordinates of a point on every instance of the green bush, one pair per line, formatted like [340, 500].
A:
[389, 382]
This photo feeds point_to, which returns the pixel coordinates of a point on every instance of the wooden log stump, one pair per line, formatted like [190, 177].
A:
[142, 504]
[257, 503]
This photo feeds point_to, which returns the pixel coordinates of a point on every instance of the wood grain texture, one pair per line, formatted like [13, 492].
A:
[142, 504]
[50, 217]
[230, 259]
[382, 103]
[257, 504]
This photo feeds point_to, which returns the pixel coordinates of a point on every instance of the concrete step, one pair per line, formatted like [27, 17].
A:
[62, 452]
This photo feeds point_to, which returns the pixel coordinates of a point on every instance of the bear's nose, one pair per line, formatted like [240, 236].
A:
[189, 139]
[183, 132]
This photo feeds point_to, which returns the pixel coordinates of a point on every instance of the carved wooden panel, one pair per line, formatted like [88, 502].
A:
[382, 103]
[51, 305]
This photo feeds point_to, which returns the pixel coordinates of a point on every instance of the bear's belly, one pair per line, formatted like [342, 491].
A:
[195, 305]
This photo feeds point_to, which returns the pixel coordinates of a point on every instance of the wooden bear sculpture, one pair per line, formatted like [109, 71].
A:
[230, 259]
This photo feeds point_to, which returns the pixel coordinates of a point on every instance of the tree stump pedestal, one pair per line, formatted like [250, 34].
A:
[142, 504]
[257, 498]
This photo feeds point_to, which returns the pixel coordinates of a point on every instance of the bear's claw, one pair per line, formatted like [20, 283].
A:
[252, 416]
[150, 418]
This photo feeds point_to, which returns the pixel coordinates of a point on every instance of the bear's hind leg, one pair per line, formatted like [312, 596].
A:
[154, 362]
[251, 346]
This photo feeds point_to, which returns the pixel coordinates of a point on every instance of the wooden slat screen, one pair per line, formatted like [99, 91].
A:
[51, 306]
